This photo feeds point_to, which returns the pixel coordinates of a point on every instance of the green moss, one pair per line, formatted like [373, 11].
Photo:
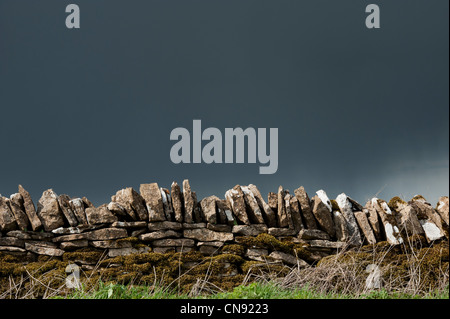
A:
[395, 203]
[418, 197]
[234, 249]
[88, 255]
[266, 241]
[334, 205]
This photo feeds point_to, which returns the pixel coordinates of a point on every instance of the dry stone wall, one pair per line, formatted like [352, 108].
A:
[163, 220]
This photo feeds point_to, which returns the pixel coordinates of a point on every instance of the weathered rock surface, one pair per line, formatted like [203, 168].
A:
[49, 212]
[391, 229]
[30, 210]
[177, 202]
[130, 225]
[249, 230]
[364, 225]
[7, 220]
[267, 212]
[208, 205]
[313, 234]
[153, 201]
[443, 209]
[321, 208]
[235, 198]
[225, 212]
[188, 202]
[42, 248]
[254, 212]
[164, 225]
[429, 219]
[169, 242]
[203, 234]
[282, 217]
[167, 204]
[66, 208]
[132, 202]
[100, 215]
[159, 235]
[306, 209]
[77, 206]
[18, 210]
[347, 211]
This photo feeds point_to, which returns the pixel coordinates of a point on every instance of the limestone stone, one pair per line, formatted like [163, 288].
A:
[164, 225]
[193, 226]
[12, 249]
[77, 206]
[164, 250]
[21, 234]
[18, 210]
[374, 220]
[208, 205]
[225, 212]
[391, 229]
[87, 202]
[219, 227]
[66, 209]
[321, 208]
[133, 202]
[153, 201]
[159, 235]
[198, 212]
[313, 234]
[74, 230]
[276, 231]
[12, 241]
[117, 209]
[442, 208]
[216, 244]
[100, 215]
[137, 232]
[254, 211]
[177, 202]
[294, 208]
[130, 225]
[106, 234]
[203, 234]
[188, 203]
[272, 201]
[235, 198]
[7, 220]
[305, 206]
[170, 242]
[282, 217]
[30, 210]
[287, 206]
[70, 237]
[288, 259]
[364, 225]
[257, 254]
[406, 217]
[346, 209]
[73, 245]
[267, 212]
[115, 252]
[167, 204]
[327, 244]
[429, 219]
[49, 212]
[249, 230]
[106, 244]
[43, 249]
[340, 226]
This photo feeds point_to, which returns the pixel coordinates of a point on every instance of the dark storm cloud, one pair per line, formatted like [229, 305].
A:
[359, 111]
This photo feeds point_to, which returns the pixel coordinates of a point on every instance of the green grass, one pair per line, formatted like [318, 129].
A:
[254, 290]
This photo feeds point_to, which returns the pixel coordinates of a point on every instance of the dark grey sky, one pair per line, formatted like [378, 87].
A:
[87, 112]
